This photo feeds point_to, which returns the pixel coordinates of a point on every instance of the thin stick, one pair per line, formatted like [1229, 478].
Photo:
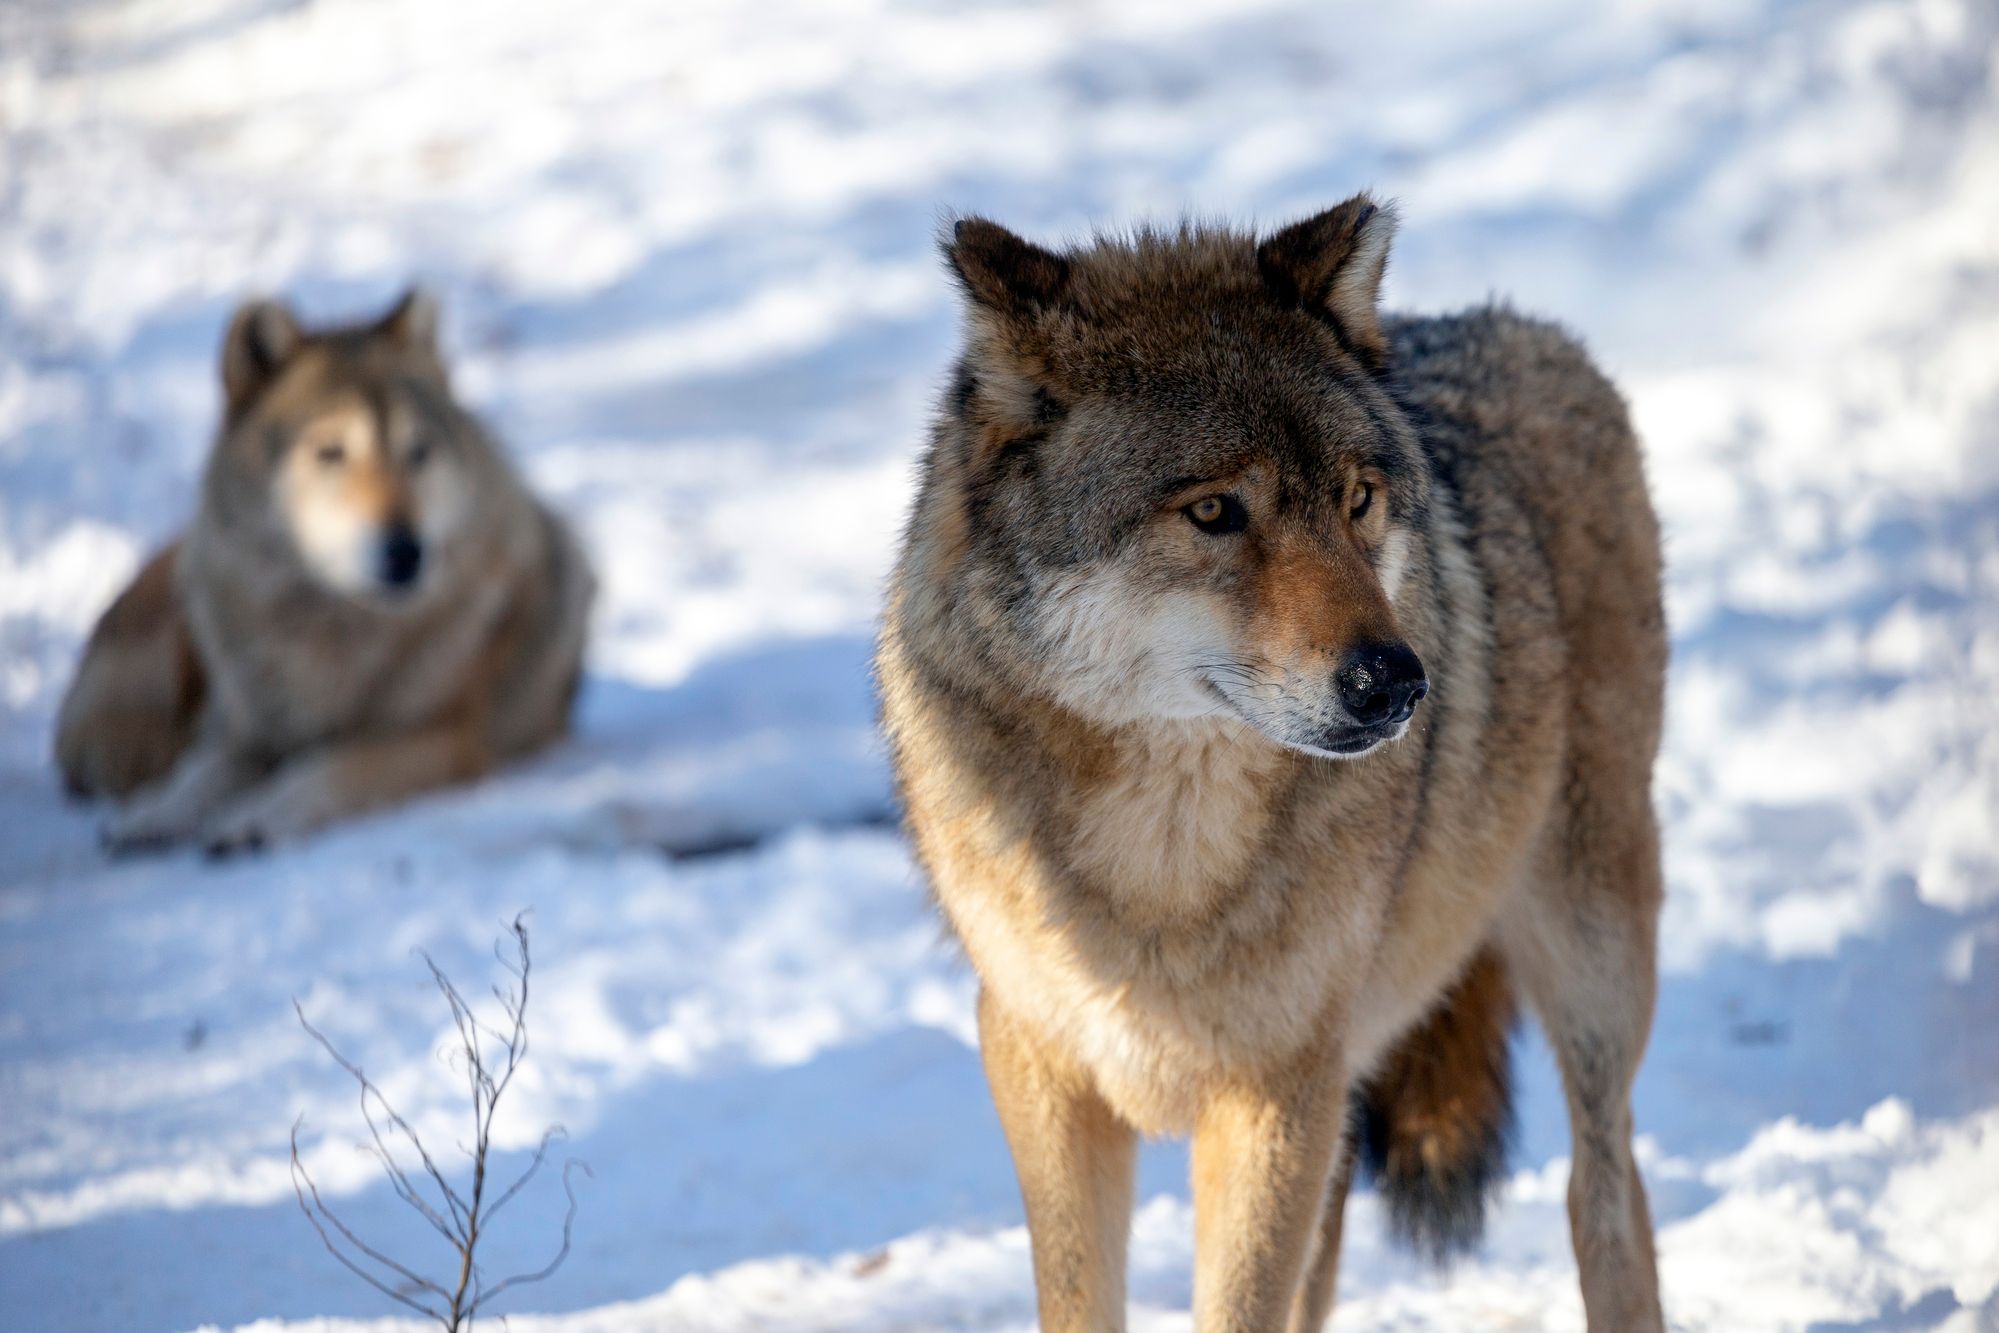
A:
[466, 1216]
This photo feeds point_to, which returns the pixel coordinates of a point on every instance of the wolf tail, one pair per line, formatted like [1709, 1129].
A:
[1437, 1116]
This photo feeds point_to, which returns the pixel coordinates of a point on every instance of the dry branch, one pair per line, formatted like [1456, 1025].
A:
[491, 1055]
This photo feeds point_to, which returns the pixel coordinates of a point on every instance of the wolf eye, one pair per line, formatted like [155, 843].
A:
[330, 455]
[1217, 514]
[419, 453]
[1363, 500]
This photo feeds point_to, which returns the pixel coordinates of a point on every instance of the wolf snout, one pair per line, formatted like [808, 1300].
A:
[401, 557]
[1380, 684]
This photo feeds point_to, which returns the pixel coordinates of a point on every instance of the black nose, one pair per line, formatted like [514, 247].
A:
[402, 557]
[1381, 684]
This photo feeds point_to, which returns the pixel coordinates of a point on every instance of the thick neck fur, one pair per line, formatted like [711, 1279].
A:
[1179, 817]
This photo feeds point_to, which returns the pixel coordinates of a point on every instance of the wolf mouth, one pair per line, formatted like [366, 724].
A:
[1346, 743]
[1353, 744]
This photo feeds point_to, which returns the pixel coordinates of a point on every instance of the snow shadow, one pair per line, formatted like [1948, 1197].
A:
[843, 1153]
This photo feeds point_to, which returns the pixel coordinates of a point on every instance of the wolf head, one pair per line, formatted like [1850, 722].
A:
[343, 451]
[1170, 481]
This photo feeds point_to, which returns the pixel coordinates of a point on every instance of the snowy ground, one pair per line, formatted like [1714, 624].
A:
[686, 254]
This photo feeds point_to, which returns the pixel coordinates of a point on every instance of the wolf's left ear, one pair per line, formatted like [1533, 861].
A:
[1331, 265]
[1003, 272]
[413, 322]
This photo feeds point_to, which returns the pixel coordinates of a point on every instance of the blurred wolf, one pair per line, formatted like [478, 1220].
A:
[1273, 691]
[368, 605]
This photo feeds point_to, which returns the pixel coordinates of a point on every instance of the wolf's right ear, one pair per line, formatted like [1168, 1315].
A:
[261, 338]
[1001, 271]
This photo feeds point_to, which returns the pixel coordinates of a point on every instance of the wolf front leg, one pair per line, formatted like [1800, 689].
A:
[1074, 1158]
[175, 808]
[345, 779]
[1265, 1150]
[1322, 1271]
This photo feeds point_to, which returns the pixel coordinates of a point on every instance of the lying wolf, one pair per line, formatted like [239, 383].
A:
[1273, 690]
[368, 605]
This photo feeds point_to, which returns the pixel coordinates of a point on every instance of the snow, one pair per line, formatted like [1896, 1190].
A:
[686, 256]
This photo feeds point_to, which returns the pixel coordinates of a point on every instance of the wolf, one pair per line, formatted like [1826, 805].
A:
[368, 604]
[1273, 688]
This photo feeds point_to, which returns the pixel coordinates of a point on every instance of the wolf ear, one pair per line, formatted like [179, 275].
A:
[412, 323]
[1001, 271]
[1331, 266]
[262, 337]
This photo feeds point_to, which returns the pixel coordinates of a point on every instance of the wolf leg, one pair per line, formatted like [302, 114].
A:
[1264, 1154]
[1074, 1158]
[318, 788]
[1322, 1271]
[1582, 947]
[174, 809]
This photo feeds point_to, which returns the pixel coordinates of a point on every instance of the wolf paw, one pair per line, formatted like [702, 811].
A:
[139, 828]
[119, 841]
[222, 847]
[282, 810]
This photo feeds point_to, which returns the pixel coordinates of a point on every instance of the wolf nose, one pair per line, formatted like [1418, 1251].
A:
[1381, 684]
[402, 557]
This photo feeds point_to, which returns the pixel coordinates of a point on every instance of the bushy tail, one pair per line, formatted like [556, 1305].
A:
[1437, 1116]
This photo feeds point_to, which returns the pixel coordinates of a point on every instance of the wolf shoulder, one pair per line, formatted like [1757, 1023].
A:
[1518, 417]
[1493, 372]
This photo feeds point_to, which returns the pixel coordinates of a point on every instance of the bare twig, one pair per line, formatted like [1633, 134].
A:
[464, 1217]
[453, 1230]
[549, 1135]
[568, 1222]
[302, 1184]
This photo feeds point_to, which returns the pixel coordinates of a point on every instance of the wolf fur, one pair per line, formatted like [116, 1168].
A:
[369, 604]
[1196, 531]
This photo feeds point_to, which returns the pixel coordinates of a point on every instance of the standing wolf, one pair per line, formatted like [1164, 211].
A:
[1273, 691]
[368, 605]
